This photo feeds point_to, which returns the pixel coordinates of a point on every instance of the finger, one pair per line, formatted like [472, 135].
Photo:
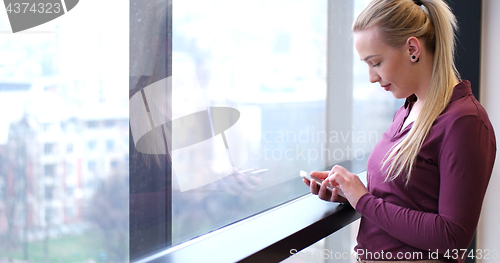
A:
[335, 196]
[306, 181]
[227, 188]
[337, 179]
[323, 192]
[320, 175]
[313, 187]
[251, 186]
[331, 179]
[255, 180]
[243, 181]
[338, 169]
[233, 183]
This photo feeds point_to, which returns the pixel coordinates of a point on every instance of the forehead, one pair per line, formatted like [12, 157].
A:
[369, 42]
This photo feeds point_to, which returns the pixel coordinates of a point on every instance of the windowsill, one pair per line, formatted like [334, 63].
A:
[269, 236]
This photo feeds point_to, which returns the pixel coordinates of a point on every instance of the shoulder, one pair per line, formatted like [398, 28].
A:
[464, 119]
[463, 104]
[463, 107]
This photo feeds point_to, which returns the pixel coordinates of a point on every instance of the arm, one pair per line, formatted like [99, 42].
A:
[465, 163]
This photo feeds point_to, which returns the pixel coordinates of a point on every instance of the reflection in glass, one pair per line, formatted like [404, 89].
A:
[258, 66]
[150, 126]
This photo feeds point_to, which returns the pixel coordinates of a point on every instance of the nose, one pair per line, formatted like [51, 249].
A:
[373, 76]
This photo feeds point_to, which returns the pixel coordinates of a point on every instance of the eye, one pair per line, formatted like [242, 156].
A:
[376, 65]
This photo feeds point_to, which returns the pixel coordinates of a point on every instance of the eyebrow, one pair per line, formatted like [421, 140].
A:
[370, 56]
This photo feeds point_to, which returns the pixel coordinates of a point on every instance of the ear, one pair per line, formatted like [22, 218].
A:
[414, 48]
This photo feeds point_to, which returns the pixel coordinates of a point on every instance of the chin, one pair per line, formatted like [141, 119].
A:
[398, 95]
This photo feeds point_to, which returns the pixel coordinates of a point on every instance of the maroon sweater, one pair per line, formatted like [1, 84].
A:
[439, 209]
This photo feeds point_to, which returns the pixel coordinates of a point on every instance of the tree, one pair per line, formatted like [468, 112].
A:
[18, 156]
[108, 210]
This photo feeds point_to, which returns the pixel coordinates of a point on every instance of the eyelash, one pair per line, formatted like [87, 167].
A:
[376, 65]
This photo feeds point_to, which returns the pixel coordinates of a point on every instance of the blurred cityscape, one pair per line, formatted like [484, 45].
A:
[63, 142]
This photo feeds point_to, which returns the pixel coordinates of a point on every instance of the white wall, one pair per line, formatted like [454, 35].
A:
[489, 223]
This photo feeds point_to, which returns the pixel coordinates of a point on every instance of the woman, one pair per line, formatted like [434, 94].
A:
[428, 174]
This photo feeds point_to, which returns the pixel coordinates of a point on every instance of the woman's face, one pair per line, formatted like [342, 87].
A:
[390, 67]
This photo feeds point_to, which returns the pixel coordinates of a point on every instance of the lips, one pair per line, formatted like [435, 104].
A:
[386, 87]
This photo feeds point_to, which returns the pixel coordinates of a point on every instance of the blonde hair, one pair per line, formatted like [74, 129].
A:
[435, 24]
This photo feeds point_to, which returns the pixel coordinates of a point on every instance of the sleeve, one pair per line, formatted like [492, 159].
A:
[465, 164]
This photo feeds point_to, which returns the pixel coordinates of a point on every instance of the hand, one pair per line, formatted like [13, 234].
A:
[348, 182]
[322, 192]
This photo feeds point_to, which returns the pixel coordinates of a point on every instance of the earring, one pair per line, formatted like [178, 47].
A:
[414, 57]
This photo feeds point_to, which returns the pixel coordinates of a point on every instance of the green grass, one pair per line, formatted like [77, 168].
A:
[67, 249]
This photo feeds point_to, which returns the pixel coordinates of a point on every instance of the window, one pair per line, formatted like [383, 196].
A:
[70, 212]
[69, 191]
[92, 124]
[70, 169]
[48, 148]
[48, 215]
[91, 145]
[280, 94]
[91, 165]
[69, 148]
[49, 193]
[46, 127]
[110, 145]
[109, 123]
[49, 170]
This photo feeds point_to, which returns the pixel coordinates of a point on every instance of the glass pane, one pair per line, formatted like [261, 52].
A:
[63, 189]
[249, 92]
[229, 100]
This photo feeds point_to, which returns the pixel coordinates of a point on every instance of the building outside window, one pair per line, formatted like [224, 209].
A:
[110, 145]
[57, 81]
[91, 145]
[49, 170]
[69, 148]
[48, 148]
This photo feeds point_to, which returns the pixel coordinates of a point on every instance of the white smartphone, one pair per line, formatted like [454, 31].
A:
[309, 177]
